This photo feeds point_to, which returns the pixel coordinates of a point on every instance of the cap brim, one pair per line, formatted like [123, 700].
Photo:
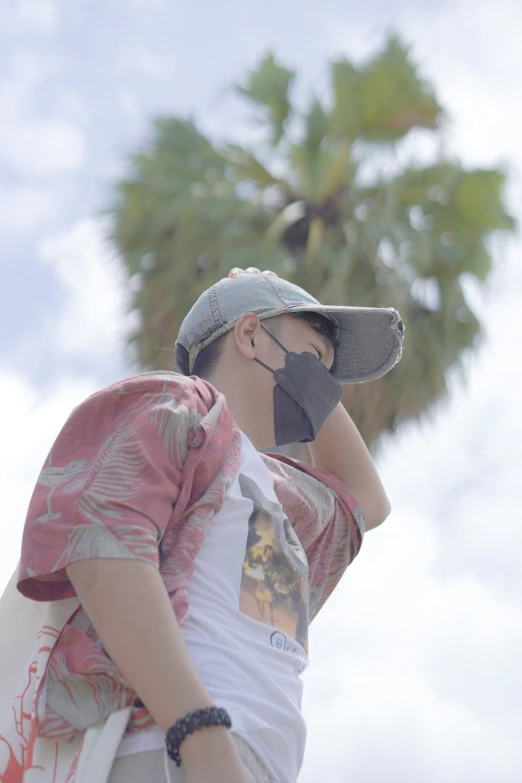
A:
[370, 340]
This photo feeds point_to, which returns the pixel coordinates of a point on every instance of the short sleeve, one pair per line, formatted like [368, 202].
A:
[108, 486]
[326, 517]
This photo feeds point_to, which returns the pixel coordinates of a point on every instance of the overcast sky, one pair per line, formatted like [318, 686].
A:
[415, 659]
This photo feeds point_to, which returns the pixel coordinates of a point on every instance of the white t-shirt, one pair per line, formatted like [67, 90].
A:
[247, 630]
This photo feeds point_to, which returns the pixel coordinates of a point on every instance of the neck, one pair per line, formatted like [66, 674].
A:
[242, 399]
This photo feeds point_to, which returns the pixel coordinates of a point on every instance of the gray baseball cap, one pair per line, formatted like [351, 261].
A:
[369, 339]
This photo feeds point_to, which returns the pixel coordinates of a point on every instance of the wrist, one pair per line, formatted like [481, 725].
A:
[194, 722]
[206, 740]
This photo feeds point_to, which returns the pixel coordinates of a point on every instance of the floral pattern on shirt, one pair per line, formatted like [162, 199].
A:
[138, 471]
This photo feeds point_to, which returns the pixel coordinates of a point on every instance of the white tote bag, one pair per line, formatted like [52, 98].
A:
[28, 632]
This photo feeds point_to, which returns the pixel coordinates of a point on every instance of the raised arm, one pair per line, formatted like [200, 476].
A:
[340, 449]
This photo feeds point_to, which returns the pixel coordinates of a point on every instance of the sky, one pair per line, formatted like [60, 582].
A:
[415, 659]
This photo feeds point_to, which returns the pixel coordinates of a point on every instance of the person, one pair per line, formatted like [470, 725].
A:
[198, 557]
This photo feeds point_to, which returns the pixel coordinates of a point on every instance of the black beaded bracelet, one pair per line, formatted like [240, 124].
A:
[208, 716]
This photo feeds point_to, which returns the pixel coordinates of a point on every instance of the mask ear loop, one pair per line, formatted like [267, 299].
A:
[277, 341]
[273, 338]
[264, 365]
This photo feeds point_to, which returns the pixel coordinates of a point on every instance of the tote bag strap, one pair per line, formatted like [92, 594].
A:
[99, 747]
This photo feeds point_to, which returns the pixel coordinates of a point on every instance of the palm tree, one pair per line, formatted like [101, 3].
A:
[312, 204]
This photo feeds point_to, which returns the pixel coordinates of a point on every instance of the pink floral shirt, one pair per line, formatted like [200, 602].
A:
[138, 471]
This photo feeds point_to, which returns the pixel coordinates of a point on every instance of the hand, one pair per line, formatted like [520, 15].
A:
[210, 754]
[251, 270]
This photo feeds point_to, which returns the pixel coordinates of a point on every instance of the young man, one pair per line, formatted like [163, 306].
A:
[197, 560]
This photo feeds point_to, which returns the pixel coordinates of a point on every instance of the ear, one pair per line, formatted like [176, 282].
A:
[246, 330]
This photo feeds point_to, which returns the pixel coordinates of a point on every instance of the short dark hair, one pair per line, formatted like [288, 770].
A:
[207, 359]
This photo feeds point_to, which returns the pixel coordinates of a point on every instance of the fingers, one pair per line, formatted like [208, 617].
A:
[251, 270]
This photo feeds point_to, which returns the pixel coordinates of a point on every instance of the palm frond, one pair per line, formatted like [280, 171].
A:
[268, 86]
[189, 211]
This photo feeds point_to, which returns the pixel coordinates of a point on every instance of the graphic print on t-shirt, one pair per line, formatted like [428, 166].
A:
[274, 582]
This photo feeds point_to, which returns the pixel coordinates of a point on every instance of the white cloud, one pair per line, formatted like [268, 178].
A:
[25, 71]
[129, 103]
[89, 327]
[90, 321]
[411, 671]
[29, 422]
[95, 293]
[43, 146]
[31, 144]
[138, 57]
[25, 209]
[470, 455]
[477, 85]
[29, 16]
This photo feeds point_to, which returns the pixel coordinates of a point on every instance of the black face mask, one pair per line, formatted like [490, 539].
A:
[304, 396]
